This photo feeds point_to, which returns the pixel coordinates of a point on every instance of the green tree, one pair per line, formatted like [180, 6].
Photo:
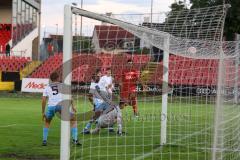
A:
[185, 23]
[174, 22]
[82, 44]
[232, 23]
[177, 6]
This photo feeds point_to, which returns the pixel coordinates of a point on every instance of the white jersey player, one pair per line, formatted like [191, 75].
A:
[95, 97]
[53, 92]
[112, 116]
[106, 83]
[96, 94]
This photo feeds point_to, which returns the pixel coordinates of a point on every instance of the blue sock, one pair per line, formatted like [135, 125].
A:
[75, 134]
[45, 134]
[88, 126]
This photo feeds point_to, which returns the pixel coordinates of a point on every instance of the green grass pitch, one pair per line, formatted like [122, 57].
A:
[189, 132]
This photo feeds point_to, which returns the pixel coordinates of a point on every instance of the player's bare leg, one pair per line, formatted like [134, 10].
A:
[135, 109]
[133, 103]
[96, 115]
[45, 131]
[123, 103]
[74, 130]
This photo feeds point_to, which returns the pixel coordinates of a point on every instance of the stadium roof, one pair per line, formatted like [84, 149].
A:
[5, 3]
[34, 3]
[113, 34]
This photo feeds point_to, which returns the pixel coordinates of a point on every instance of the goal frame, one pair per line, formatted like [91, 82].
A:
[150, 35]
[67, 68]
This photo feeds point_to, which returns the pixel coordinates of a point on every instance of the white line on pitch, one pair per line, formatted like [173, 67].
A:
[10, 125]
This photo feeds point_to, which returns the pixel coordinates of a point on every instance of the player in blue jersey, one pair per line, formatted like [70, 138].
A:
[52, 96]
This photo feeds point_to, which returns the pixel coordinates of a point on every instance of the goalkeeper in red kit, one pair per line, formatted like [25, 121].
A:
[128, 87]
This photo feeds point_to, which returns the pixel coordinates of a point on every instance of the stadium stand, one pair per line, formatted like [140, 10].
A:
[5, 36]
[187, 71]
[9, 64]
[182, 71]
[84, 65]
[47, 67]
[29, 68]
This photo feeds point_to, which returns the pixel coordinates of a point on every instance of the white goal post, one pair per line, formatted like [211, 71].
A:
[67, 80]
[67, 56]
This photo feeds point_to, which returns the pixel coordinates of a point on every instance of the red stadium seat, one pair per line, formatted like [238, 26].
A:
[12, 63]
[5, 36]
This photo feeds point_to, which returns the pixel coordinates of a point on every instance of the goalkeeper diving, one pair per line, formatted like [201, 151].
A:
[108, 118]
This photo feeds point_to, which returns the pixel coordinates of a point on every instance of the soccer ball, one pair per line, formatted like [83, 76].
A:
[192, 50]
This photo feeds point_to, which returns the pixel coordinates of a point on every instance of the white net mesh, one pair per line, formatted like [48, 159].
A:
[194, 101]
[203, 23]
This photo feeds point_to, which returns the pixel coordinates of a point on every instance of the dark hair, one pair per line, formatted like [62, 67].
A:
[95, 78]
[129, 60]
[54, 76]
[98, 70]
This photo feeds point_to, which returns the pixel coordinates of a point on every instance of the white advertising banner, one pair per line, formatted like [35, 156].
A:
[34, 85]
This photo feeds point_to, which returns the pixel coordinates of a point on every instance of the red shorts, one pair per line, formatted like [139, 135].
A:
[127, 97]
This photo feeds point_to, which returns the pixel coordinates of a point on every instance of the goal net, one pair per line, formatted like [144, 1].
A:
[181, 101]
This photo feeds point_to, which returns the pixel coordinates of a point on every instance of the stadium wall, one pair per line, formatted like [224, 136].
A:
[24, 48]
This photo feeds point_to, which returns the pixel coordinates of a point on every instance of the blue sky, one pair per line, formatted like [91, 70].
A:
[52, 10]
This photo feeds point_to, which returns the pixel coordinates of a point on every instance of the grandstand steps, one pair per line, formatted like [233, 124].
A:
[29, 68]
[148, 71]
[21, 48]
